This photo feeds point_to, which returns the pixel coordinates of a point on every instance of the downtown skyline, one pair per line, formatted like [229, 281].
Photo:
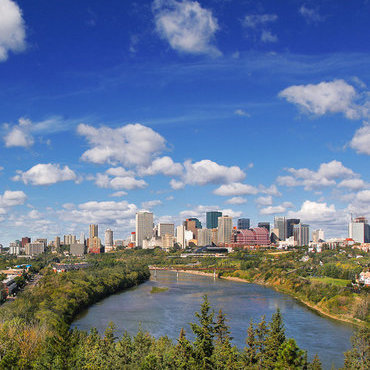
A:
[254, 109]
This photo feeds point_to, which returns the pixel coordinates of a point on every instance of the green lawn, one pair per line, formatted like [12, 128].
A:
[328, 280]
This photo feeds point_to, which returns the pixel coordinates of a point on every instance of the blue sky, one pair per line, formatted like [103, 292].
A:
[255, 108]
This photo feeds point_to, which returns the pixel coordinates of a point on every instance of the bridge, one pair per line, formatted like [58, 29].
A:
[191, 268]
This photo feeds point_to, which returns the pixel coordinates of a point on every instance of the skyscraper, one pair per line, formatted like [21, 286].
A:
[280, 224]
[144, 227]
[301, 234]
[93, 231]
[108, 240]
[359, 230]
[290, 222]
[225, 229]
[266, 225]
[193, 225]
[318, 235]
[212, 219]
[164, 229]
[244, 223]
[204, 237]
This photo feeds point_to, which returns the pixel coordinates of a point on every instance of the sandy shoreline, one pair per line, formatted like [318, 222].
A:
[308, 304]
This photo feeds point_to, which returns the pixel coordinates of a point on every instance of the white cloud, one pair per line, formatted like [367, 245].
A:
[254, 20]
[119, 182]
[20, 135]
[163, 165]
[236, 200]
[323, 177]
[315, 212]
[235, 189]
[186, 26]
[34, 214]
[264, 201]
[326, 97]
[363, 196]
[12, 29]
[12, 198]
[151, 203]
[200, 212]
[271, 190]
[361, 140]
[45, 174]
[352, 184]
[131, 145]
[176, 185]
[118, 194]
[108, 213]
[310, 14]
[360, 204]
[209, 172]
[242, 113]
[271, 210]
[268, 36]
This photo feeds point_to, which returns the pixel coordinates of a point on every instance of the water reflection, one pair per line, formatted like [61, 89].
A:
[167, 312]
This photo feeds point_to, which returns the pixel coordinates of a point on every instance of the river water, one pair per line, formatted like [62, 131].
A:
[167, 312]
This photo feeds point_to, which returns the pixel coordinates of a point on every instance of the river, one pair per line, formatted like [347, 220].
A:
[167, 312]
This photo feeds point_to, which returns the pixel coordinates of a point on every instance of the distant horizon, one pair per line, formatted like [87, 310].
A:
[179, 107]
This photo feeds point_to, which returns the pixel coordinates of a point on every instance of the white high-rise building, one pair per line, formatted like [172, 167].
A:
[359, 230]
[204, 237]
[108, 240]
[180, 236]
[225, 229]
[164, 229]
[318, 235]
[144, 227]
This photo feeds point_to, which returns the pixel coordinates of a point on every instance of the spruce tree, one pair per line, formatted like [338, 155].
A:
[359, 356]
[204, 332]
[251, 348]
[315, 364]
[290, 357]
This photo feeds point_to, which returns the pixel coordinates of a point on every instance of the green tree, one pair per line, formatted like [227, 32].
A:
[359, 356]
[251, 348]
[315, 364]
[204, 333]
[290, 357]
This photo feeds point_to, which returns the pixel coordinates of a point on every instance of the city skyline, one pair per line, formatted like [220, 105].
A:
[254, 110]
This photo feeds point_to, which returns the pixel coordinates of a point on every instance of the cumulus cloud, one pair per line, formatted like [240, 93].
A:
[12, 29]
[130, 145]
[236, 200]
[127, 182]
[268, 36]
[163, 165]
[186, 26]
[360, 204]
[264, 201]
[235, 189]
[45, 174]
[323, 177]
[315, 212]
[271, 210]
[151, 203]
[108, 213]
[352, 184]
[20, 135]
[209, 172]
[361, 140]
[176, 185]
[12, 198]
[326, 97]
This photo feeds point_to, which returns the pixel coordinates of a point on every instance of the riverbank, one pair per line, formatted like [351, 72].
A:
[319, 310]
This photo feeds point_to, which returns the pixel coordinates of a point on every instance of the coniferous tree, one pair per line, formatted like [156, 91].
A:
[184, 358]
[204, 333]
[315, 364]
[251, 348]
[290, 357]
[359, 356]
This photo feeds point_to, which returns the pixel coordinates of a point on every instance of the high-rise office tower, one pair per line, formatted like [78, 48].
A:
[193, 225]
[57, 243]
[225, 229]
[359, 230]
[204, 237]
[244, 223]
[280, 224]
[290, 222]
[180, 236]
[164, 229]
[144, 227]
[25, 240]
[318, 235]
[93, 231]
[266, 225]
[108, 240]
[212, 219]
[301, 234]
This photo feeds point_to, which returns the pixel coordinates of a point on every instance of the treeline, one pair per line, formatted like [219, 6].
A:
[44, 313]
[267, 347]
